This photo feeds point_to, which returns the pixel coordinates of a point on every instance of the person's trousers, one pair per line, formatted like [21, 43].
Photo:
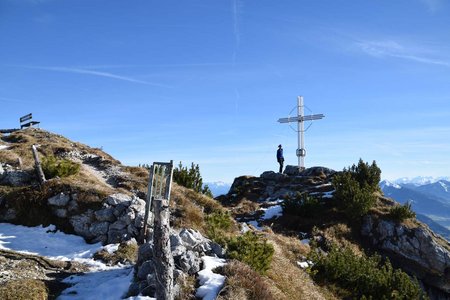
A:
[281, 165]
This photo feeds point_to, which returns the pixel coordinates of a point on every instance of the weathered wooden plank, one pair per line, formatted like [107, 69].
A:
[162, 256]
[37, 165]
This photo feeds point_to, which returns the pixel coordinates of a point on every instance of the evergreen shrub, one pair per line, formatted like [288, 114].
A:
[303, 206]
[399, 213]
[53, 167]
[191, 179]
[355, 188]
[252, 250]
[217, 224]
[365, 277]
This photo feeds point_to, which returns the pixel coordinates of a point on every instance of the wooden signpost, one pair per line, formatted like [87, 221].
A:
[158, 197]
[26, 118]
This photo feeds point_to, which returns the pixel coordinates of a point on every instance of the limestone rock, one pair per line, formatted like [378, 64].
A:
[191, 238]
[15, 178]
[81, 224]
[59, 200]
[416, 249]
[117, 236]
[105, 214]
[118, 198]
[99, 228]
[146, 268]
[189, 262]
[217, 249]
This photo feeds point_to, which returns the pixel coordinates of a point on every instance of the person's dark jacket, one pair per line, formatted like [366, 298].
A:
[280, 156]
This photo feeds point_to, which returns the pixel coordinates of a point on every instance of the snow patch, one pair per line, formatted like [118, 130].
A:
[272, 212]
[110, 284]
[210, 283]
[444, 186]
[103, 282]
[3, 147]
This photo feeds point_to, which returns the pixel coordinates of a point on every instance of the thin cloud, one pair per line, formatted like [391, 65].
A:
[388, 48]
[96, 73]
[432, 5]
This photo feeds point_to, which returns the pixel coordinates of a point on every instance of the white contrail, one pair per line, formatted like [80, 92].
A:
[237, 39]
[95, 73]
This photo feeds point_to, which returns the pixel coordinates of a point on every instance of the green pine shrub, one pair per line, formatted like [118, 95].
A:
[53, 167]
[355, 188]
[365, 277]
[303, 206]
[252, 250]
[399, 213]
[191, 179]
[217, 226]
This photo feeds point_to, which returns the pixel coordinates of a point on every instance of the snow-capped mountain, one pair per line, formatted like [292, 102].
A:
[219, 187]
[420, 180]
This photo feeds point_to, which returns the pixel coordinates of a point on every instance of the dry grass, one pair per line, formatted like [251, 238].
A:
[286, 279]
[25, 289]
[189, 208]
[9, 157]
[187, 287]
[342, 235]
[127, 253]
[243, 283]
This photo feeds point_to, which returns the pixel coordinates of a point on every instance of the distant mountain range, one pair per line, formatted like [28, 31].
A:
[219, 187]
[430, 199]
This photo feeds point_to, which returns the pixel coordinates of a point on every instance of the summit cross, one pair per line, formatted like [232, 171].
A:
[300, 119]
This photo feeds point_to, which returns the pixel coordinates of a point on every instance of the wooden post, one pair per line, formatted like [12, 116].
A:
[19, 163]
[162, 256]
[148, 206]
[37, 165]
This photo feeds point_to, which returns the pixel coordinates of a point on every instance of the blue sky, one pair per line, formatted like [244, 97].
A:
[206, 81]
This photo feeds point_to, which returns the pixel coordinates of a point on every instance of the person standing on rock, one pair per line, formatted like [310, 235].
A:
[280, 157]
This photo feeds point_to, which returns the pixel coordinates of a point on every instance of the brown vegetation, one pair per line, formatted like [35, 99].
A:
[243, 283]
[25, 289]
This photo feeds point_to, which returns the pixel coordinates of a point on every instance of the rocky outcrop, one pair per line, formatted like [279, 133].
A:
[187, 247]
[415, 248]
[271, 186]
[12, 176]
[120, 218]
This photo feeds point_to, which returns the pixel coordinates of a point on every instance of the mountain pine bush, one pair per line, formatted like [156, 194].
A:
[355, 188]
[53, 167]
[399, 213]
[303, 206]
[365, 277]
[191, 179]
[217, 225]
[252, 250]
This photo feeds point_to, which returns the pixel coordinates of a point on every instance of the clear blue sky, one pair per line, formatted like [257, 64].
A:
[206, 81]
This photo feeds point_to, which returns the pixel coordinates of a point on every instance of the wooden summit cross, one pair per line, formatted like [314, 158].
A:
[300, 119]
